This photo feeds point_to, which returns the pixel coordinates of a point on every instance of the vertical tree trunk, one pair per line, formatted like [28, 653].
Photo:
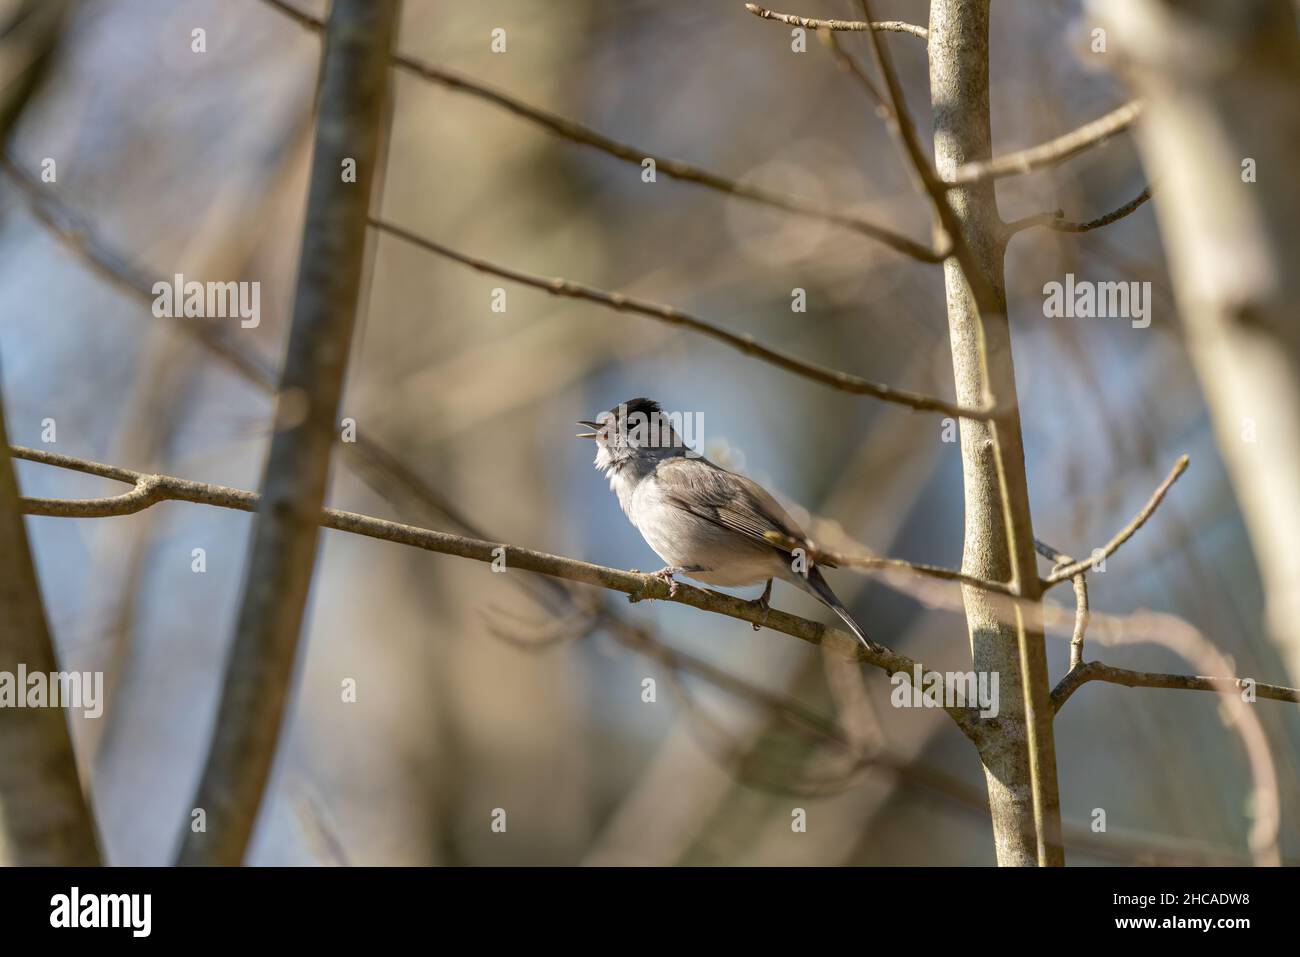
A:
[355, 76]
[1221, 83]
[999, 535]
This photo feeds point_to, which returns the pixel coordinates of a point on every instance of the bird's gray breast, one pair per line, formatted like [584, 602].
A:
[709, 552]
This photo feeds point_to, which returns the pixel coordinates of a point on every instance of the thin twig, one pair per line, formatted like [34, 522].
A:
[1081, 606]
[674, 169]
[1097, 671]
[1053, 151]
[848, 26]
[1082, 613]
[1056, 221]
[745, 343]
[851, 66]
[1069, 571]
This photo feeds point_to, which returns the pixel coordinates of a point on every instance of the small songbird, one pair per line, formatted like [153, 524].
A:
[705, 522]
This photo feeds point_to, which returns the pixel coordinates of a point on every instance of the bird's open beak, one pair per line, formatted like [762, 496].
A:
[587, 435]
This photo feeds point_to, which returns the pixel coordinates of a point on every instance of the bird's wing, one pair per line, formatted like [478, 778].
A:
[727, 499]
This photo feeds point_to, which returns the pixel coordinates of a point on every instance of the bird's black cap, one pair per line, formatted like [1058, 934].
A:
[646, 407]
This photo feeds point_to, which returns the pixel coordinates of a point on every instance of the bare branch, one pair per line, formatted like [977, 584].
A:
[634, 584]
[851, 66]
[869, 562]
[675, 169]
[849, 26]
[1082, 614]
[277, 579]
[1053, 151]
[1069, 571]
[1081, 608]
[745, 343]
[1096, 671]
[1057, 222]
[145, 492]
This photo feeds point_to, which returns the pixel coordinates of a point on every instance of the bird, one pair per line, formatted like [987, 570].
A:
[708, 524]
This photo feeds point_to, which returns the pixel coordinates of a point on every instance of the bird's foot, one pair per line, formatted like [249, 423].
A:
[665, 575]
[764, 606]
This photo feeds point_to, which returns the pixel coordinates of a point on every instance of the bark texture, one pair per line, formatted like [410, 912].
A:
[354, 87]
[998, 531]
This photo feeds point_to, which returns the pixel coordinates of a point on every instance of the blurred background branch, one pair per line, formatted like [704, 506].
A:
[45, 818]
[1222, 121]
[257, 684]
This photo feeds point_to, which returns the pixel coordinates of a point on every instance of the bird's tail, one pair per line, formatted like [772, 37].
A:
[816, 586]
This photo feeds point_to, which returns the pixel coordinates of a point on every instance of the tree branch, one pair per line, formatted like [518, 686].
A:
[635, 585]
[745, 343]
[353, 89]
[1056, 221]
[1081, 609]
[870, 562]
[674, 169]
[1053, 151]
[849, 26]
[1064, 572]
[1097, 671]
